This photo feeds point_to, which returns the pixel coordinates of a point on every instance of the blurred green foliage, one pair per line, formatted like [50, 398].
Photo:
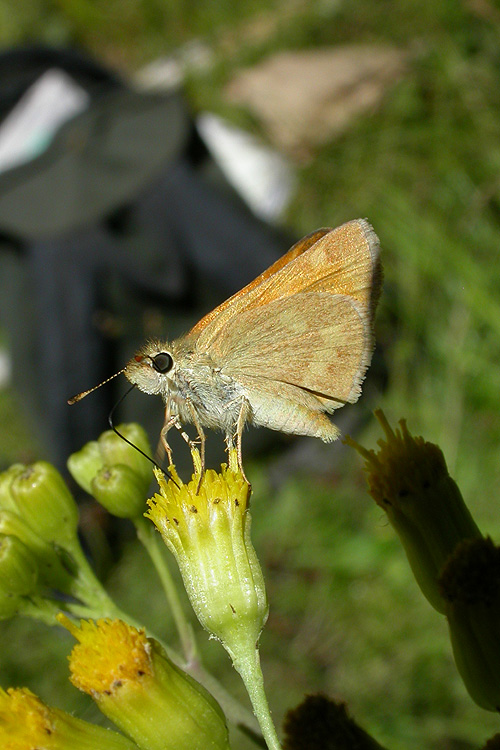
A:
[424, 166]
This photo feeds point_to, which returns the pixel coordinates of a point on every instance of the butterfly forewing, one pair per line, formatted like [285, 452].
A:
[244, 296]
[343, 261]
[321, 262]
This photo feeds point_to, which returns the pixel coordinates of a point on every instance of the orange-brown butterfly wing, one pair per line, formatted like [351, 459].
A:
[340, 261]
[343, 261]
[314, 340]
[297, 357]
[244, 294]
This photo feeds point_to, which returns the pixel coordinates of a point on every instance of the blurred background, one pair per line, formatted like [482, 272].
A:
[195, 143]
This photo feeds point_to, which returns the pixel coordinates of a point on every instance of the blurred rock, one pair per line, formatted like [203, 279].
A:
[306, 98]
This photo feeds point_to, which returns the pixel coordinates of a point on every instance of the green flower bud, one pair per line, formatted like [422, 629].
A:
[7, 501]
[470, 586]
[115, 450]
[18, 574]
[26, 722]
[45, 502]
[135, 685]
[84, 465]
[52, 570]
[114, 472]
[408, 478]
[10, 605]
[120, 490]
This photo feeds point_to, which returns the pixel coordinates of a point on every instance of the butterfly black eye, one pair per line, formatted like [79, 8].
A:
[162, 362]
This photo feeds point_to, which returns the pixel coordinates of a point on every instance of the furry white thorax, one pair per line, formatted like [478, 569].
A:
[193, 382]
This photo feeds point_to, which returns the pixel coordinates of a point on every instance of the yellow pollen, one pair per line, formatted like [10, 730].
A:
[109, 654]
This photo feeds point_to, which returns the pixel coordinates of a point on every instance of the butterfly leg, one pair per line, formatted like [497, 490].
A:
[198, 457]
[236, 436]
[170, 421]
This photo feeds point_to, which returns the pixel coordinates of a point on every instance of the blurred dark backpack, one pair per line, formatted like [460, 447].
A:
[122, 227]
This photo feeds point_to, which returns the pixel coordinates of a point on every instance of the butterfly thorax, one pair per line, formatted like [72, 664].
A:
[189, 383]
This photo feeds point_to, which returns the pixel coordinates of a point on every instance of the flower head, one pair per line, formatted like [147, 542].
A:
[26, 722]
[408, 478]
[206, 525]
[135, 684]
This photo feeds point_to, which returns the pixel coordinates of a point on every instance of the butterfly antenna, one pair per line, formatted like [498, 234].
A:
[112, 425]
[81, 395]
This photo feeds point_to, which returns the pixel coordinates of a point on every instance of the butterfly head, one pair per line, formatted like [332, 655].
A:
[152, 368]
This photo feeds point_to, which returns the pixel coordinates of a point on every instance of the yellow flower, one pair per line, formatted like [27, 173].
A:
[135, 684]
[206, 525]
[26, 722]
